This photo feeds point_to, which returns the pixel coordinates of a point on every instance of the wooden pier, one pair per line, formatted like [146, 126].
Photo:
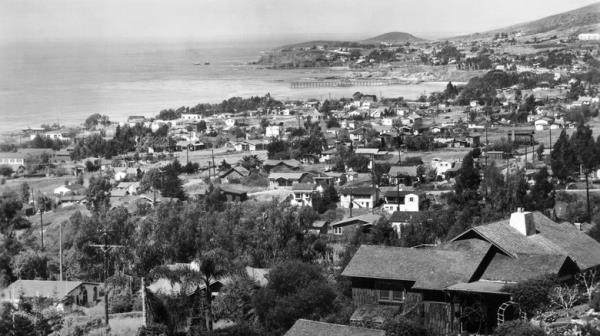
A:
[346, 83]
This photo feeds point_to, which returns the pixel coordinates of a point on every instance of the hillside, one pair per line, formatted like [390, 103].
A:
[580, 20]
[393, 37]
[576, 19]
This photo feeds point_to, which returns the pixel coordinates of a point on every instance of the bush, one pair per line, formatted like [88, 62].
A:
[533, 295]
[404, 327]
[295, 290]
[152, 330]
[237, 330]
[518, 328]
[6, 170]
[588, 330]
[595, 301]
[121, 302]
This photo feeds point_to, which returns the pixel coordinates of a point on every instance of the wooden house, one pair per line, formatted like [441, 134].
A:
[347, 226]
[233, 194]
[279, 180]
[234, 174]
[471, 270]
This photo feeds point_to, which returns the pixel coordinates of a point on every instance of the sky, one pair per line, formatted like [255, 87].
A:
[207, 20]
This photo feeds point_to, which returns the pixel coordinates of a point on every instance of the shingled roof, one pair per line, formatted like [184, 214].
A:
[525, 266]
[427, 268]
[551, 238]
[313, 328]
[367, 219]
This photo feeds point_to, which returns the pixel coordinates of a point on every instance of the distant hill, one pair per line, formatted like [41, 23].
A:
[580, 20]
[393, 37]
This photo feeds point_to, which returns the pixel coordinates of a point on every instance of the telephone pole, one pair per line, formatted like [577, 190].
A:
[105, 248]
[60, 254]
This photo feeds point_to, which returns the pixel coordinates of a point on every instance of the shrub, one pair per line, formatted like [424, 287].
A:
[121, 302]
[533, 295]
[6, 170]
[404, 327]
[595, 301]
[518, 328]
[152, 330]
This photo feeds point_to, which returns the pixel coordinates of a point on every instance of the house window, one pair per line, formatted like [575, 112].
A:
[337, 230]
[411, 199]
[388, 295]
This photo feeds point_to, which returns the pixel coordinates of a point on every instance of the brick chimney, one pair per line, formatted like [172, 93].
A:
[522, 221]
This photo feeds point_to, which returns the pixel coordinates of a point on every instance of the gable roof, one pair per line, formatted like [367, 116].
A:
[304, 187]
[286, 176]
[403, 170]
[427, 268]
[304, 327]
[370, 151]
[239, 169]
[551, 238]
[399, 193]
[290, 163]
[358, 191]
[39, 288]
[525, 266]
[366, 219]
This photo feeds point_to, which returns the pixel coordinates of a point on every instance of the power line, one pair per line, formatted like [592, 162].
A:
[105, 248]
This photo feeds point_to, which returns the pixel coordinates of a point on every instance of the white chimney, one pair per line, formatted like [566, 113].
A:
[523, 222]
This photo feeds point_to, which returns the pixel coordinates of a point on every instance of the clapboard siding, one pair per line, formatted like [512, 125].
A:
[362, 296]
[439, 317]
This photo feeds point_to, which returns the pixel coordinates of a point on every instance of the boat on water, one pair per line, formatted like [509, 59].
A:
[200, 63]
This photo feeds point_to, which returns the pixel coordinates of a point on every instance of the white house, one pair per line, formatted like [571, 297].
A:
[273, 131]
[359, 197]
[387, 122]
[303, 193]
[191, 117]
[79, 292]
[441, 167]
[14, 160]
[541, 124]
[230, 122]
[401, 201]
[589, 37]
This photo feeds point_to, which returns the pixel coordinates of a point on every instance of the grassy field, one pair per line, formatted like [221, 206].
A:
[203, 157]
[45, 185]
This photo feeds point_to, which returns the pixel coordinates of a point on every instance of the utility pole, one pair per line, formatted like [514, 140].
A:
[143, 285]
[213, 162]
[41, 209]
[398, 190]
[351, 202]
[60, 254]
[105, 248]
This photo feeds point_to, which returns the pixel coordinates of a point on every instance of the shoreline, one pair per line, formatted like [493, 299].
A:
[244, 88]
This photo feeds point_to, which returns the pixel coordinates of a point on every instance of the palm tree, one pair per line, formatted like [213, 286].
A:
[204, 275]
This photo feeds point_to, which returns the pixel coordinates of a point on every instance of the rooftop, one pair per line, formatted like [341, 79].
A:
[366, 219]
[427, 268]
[304, 327]
[550, 239]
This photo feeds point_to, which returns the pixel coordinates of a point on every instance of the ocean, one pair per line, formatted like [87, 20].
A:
[66, 82]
